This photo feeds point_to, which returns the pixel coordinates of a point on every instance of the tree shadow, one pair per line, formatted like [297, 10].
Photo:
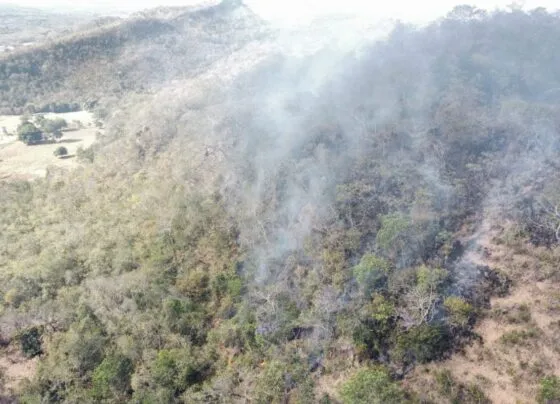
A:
[68, 156]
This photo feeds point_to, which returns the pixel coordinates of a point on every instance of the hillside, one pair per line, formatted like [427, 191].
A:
[288, 216]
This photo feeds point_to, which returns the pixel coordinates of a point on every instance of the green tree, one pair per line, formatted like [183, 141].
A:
[29, 134]
[178, 369]
[430, 279]
[391, 237]
[371, 272]
[52, 125]
[112, 377]
[31, 342]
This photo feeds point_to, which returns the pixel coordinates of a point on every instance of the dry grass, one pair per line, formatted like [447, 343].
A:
[519, 332]
[15, 368]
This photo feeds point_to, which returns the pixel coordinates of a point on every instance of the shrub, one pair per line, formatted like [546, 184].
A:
[549, 390]
[519, 337]
[178, 369]
[86, 154]
[447, 385]
[393, 228]
[30, 341]
[284, 381]
[381, 309]
[458, 392]
[61, 151]
[271, 385]
[371, 386]
[430, 279]
[423, 343]
[460, 312]
[519, 315]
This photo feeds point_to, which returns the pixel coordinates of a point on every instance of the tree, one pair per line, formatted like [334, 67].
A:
[53, 125]
[61, 151]
[31, 342]
[371, 272]
[391, 237]
[29, 134]
[112, 376]
[420, 301]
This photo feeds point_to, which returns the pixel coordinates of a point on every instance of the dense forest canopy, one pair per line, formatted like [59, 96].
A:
[254, 232]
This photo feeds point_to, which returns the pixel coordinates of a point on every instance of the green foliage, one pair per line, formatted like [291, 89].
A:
[271, 386]
[393, 229]
[60, 151]
[185, 317]
[460, 311]
[371, 386]
[549, 390]
[284, 381]
[430, 279]
[178, 369]
[277, 318]
[29, 133]
[52, 125]
[373, 335]
[86, 154]
[381, 309]
[371, 272]
[112, 377]
[423, 343]
[165, 370]
[30, 341]
[80, 349]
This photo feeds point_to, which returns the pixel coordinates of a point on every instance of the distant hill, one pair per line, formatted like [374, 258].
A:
[24, 25]
[119, 56]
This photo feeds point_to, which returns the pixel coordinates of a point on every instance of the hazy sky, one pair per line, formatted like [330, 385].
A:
[410, 10]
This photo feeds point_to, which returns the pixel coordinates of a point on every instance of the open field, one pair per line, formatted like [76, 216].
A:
[18, 161]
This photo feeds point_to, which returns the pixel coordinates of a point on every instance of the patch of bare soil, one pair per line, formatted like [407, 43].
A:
[15, 368]
[520, 333]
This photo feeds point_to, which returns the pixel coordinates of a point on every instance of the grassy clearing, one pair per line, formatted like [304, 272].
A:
[18, 161]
